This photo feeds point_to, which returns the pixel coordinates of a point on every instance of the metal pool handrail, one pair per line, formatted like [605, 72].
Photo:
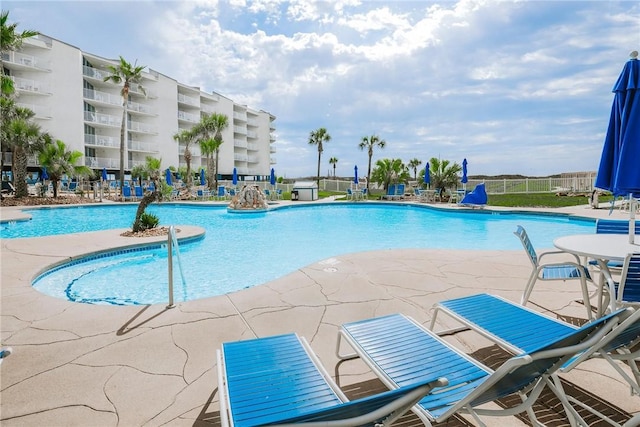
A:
[172, 241]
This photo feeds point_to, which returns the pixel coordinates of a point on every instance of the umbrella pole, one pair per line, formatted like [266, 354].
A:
[632, 218]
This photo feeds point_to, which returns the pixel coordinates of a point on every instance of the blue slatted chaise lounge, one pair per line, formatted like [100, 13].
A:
[278, 380]
[518, 330]
[400, 351]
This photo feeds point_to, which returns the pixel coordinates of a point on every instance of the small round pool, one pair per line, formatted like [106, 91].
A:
[240, 251]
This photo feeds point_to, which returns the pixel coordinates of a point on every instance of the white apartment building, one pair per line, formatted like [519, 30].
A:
[65, 88]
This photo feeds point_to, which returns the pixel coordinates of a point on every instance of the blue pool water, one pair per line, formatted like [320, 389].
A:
[243, 250]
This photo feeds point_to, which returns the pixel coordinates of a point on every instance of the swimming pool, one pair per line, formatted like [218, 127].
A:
[240, 251]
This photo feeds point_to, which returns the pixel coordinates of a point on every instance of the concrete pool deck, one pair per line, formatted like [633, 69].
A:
[78, 364]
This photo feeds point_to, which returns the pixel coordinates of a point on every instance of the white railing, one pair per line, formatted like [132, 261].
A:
[29, 85]
[93, 73]
[103, 119]
[142, 146]
[104, 97]
[101, 140]
[188, 117]
[141, 127]
[140, 108]
[239, 143]
[102, 162]
[252, 134]
[25, 60]
[240, 129]
[184, 99]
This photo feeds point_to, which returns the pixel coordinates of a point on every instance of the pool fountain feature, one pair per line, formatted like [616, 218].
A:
[249, 200]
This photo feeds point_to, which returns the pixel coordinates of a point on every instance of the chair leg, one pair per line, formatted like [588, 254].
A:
[527, 290]
[585, 297]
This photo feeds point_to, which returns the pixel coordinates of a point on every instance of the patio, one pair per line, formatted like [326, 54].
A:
[76, 364]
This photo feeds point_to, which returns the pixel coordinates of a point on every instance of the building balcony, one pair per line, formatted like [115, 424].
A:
[101, 141]
[102, 97]
[188, 117]
[272, 138]
[30, 86]
[135, 89]
[272, 150]
[253, 123]
[240, 116]
[21, 61]
[239, 143]
[102, 120]
[252, 134]
[141, 127]
[252, 146]
[242, 130]
[102, 162]
[94, 73]
[143, 147]
[273, 161]
[253, 159]
[40, 111]
[141, 108]
[188, 100]
[241, 157]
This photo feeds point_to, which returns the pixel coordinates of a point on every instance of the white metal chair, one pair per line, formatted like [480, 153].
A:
[563, 270]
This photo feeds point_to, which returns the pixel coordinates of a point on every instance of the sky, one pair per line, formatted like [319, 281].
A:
[515, 87]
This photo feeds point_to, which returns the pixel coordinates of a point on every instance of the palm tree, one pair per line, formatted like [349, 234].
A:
[27, 139]
[139, 172]
[414, 164]
[212, 125]
[126, 74]
[444, 174]
[152, 167]
[390, 171]
[186, 137]
[333, 161]
[369, 142]
[60, 161]
[208, 148]
[319, 137]
[10, 40]
[10, 112]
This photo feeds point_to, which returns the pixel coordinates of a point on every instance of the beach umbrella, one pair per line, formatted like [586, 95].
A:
[168, 177]
[619, 171]
[44, 175]
[235, 177]
[104, 174]
[355, 174]
[464, 179]
[272, 179]
[427, 175]
[202, 178]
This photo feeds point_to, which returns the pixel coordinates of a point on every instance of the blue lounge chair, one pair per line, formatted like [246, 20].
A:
[518, 330]
[278, 380]
[475, 198]
[391, 192]
[612, 226]
[126, 193]
[562, 270]
[400, 351]
[222, 193]
[138, 192]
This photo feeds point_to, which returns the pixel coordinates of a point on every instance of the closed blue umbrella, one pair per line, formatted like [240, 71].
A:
[273, 177]
[619, 171]
[104, 174]
[355, 174]
[168, 177]
[44, 174]
[427, 175]
[203, 181]
[235, 177]
[464, 179]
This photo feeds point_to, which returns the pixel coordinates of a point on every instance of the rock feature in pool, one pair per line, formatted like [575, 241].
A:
[249, 199]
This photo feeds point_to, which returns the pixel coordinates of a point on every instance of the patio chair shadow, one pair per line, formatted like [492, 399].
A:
[206, 419]
[548, 407]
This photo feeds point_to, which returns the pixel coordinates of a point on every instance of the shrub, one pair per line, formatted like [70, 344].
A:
[148, 221]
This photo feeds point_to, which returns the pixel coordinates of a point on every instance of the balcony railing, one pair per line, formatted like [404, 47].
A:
[102, 162]
[140, 108]
[241, 157]
[253, 159]
[103, 97]
[240, 116]
[29, 85]
[240, 129]
[19, 58]
[94, 73]
[193, 118]
[239, 143]
[40, 111]
[252, 146]
[102, 119]
[102, 141]
[142, 127]
[145, 147]
[252, 134]
[184, 99]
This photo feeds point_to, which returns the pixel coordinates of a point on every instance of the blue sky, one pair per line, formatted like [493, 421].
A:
[515, 87]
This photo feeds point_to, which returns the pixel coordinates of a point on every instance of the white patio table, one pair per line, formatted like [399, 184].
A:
[603, 248]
